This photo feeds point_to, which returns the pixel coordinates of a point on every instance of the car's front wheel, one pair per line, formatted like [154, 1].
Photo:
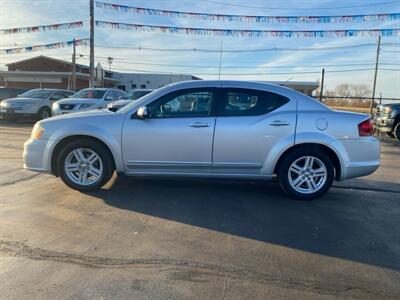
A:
[306, 173]
[397, 131]
[85, 165]
[43, 113]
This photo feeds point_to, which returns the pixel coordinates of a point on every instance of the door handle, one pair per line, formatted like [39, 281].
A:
[279, 123]
[199, 125]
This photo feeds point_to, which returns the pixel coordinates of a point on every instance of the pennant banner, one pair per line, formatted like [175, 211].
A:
[244, 18]
[44, 47]
[42, 28]
[254, 33]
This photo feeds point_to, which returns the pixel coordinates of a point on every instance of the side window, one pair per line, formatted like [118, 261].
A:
[67, 94]
[57, 96]
[246, 102]
[109, 96]
[189, 103]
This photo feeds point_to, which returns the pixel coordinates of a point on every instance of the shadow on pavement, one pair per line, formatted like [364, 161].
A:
[347, 224]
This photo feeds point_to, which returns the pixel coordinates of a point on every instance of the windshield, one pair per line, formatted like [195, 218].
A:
[37, 94]
[89, 94]
[134, 95]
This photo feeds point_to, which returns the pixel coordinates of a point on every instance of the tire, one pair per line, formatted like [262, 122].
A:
[397, 131]
[43, 113]
[391, 134]
[309, 185]
[103, 166]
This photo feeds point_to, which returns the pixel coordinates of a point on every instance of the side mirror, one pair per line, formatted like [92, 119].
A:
[142, 112]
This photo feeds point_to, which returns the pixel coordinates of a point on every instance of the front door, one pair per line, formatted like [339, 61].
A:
[175, 138]
[249, 124]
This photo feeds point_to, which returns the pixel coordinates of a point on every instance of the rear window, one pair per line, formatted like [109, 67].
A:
[246, 102]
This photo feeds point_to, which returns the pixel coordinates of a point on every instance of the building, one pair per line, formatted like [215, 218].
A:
[129, 81]
[47, 72]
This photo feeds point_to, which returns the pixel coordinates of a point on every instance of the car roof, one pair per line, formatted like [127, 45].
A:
[45, 89]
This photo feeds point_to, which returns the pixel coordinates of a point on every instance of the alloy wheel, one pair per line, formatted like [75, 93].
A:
[83, 166]
[307, 174]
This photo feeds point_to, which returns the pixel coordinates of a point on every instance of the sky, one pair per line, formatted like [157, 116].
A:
[20, 13]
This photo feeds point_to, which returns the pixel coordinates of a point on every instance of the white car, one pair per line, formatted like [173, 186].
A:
[34, 104]
[201, 128]
[87, 99]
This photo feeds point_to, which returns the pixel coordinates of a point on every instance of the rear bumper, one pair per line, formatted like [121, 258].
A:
[360, 157]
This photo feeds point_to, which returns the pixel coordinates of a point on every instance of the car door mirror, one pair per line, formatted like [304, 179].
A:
[142, 112]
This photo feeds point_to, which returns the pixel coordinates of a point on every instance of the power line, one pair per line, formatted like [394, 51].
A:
[140, 48]
[103, 59]
[238, 74]
[308, 8]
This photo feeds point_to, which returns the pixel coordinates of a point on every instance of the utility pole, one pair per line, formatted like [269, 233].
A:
[91, 22]
[321, 89]
[378, 50]
[74, 67]
[109, 60]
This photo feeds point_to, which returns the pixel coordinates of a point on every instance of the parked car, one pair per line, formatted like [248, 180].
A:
[279, 132]
[6, 92]
[35, 103]
[387, 119]
[87, 99]
[133, 95]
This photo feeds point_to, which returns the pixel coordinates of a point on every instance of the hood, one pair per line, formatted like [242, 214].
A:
[390, 104]
[78, 101]
[121, 102]
[22, 100]
[77, 115]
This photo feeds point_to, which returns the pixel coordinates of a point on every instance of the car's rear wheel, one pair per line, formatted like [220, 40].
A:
[85, 165]
[43, 113]
[306, 173]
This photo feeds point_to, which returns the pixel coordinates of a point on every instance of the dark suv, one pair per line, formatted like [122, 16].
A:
[387, 119]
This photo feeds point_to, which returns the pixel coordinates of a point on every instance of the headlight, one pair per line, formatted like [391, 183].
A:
[109, 105]
[37, 132]
[55, 106]
[85, 105]
[387, 110]
[4, 104]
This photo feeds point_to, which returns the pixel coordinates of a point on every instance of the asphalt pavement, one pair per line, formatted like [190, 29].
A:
[195, 239]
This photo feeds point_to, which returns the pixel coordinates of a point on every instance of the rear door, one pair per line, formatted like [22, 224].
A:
[249, 123]
[175, 138]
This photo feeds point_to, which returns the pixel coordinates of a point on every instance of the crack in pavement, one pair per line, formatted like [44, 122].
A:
[21, 249]
[20, 180]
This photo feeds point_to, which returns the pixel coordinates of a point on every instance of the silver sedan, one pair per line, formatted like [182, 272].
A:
[223, 129]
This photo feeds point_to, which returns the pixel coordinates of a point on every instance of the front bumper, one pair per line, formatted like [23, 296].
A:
[11, 113]
[384, 124]
[37, 155]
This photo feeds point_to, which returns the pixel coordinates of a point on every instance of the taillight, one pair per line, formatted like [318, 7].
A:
[365, 128]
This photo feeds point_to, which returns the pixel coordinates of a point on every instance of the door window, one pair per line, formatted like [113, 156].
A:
[189, 103]
[246, 102]
[57, 96]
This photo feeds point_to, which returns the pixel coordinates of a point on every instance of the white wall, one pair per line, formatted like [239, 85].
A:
[148, 81]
